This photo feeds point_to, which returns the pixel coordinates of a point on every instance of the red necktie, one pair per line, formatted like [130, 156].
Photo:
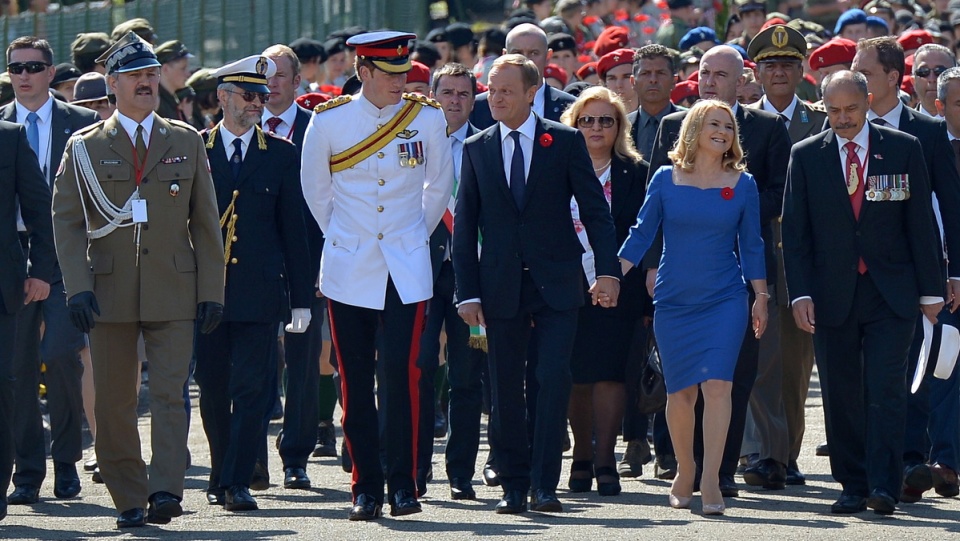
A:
[855, 168]
[273, 124]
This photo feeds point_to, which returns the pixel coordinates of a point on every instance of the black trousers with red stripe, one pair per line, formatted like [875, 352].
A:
[354, 333]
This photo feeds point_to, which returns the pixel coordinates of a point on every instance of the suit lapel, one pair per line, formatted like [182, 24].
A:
[159, 144]
[9, 112]
[492, 152]
[619, 186]
[59, 133]
[222, 176]
[835, 179]
[252, 160]
[120, 142]
[799, 123]
[539, 156]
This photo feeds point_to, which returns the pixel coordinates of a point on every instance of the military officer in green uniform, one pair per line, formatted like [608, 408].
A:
[174, 61]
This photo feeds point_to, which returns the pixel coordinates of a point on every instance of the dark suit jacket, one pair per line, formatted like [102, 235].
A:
[314, 235]
[822, 241]
[540, 234]
[766, 146]
[555, 102]
[635, 128]
[628, 189]
[440, 239]
[270, 250]
[807, 120]
[21, 179]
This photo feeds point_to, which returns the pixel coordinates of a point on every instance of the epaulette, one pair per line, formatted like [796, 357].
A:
[330, 104]
[88, 129]
[181, 124]
[817, 106]
[413, 96]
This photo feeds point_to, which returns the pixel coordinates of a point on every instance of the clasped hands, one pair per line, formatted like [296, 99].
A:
[605, 292]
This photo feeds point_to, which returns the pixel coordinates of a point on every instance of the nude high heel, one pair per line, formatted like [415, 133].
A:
[679, 502]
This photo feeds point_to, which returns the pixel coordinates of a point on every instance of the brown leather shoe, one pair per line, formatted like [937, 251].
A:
[945, 480]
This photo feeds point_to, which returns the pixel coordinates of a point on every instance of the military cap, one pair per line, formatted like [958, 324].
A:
[679, 4]
[613, 59]
[307, 49]
[437, 35]
[778, 15]
[65, 73]
[561, 42]
[692, 56]
[611, 39]
[459, 34]
[139, 26]
[697, 35]
[554, 25]
[6, 88]
[586, 70]
[851, 16]
[743, 6]
[185, 93]
[90, 87]
[878, 6]
[514, 22]
[877, 22]
[351, 86]
[836, 51]
[914, 39]
[568, 5]
[312, 99]
[202, 80]
[955, 19]
[347, 33]
[777, 43]
[250, 73]
[334, 46]
[576, 88]
[553, 71]
[389, 51]
[90, 43]
[129, 53]
[169, 51]
[685, 89]
[419, 73]
[427, 53]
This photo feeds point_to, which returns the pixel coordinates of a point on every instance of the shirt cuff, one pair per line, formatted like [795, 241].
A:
[926, 299]
[605, 276]
[800, 299]
[954, 278]
[469, 301]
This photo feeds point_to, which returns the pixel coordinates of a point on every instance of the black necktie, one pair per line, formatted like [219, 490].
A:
[517, 182]
[880, 122]
[237, 159]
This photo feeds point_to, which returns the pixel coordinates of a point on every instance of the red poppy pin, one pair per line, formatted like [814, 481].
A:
[727, 193]
[546, 140]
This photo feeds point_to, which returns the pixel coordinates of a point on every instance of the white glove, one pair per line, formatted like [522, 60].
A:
[299, 320]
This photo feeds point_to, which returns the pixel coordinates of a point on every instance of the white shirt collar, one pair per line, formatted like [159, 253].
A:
[130, 126]
[287, 118]
[43, 113]
[540, 99]
[923, 110]
[892, 117]
[368, 107]
[461, 134]
[228, 138]
[788, 112]
[862, 138]
[528, 129]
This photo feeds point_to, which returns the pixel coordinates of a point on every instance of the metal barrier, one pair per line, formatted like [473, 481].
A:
[218, 31]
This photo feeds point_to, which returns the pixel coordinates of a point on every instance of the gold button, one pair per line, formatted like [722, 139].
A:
[779, 245]
[380, 208]
[379, 126]
[779, 219]
[234, 238]
[234, 261]
[379, 236]
[380, 154]
[381, 182]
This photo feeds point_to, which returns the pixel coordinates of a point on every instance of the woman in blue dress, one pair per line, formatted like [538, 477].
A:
[708, 208]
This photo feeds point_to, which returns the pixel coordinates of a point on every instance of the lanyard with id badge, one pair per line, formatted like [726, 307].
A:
[138, 205]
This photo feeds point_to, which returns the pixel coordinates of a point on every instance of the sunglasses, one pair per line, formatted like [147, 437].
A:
[587, 121]
[250, 96]
[924, 72]
[17, 68]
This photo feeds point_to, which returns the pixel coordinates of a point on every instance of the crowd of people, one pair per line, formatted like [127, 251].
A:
[505, 219]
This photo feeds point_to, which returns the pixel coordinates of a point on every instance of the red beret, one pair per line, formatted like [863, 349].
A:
[312, 99]
[553, 71]
[695, 76]
[586, 70]
[611, 39]
[907, 85]
[684, 90]
[419, 73]
[481, 88]
[771, 22]
[836, 51]
[914, 39]
[332, 90]
[908, 64]
[613, 59]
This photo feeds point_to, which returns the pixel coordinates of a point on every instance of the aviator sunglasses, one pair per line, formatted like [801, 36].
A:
[17, 68]
[586, 121]
[250, 96]
[924, 72]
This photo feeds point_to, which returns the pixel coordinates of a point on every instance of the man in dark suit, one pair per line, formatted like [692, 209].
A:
[766, 145]
[516, 182]
[49, 123]
[267, 274]
[22, 182]
[860, 249]
[549, 103]
[881, 61]
[283, 117]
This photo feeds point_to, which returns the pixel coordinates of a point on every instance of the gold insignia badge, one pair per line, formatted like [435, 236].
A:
[779, 37]
[407, 134]
[262, 66]
[616, 58]
[399, 50]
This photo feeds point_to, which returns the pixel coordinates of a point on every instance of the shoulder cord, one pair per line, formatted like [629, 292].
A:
[87, 181]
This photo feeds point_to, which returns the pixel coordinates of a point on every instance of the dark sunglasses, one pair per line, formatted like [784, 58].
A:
[250, 96]
[31, 67]
[587, 121]
[924, 72]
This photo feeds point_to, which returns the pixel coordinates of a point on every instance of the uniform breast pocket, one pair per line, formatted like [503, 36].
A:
[267, 192]
[174, 180]
[116, 181]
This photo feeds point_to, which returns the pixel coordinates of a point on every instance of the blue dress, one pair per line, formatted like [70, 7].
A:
[700, 295]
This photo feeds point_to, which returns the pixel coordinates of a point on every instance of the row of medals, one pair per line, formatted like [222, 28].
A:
[885, 192]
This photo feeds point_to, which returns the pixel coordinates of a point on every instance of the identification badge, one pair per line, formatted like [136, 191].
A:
[139, 211]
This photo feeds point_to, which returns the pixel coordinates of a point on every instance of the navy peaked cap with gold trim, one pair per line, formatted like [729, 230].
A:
[250, 73]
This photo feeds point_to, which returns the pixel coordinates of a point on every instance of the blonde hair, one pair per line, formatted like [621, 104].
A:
[623, 145]
[685, 150]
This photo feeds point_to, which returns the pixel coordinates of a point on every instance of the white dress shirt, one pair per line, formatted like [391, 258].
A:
[892, 117]
[528, 130]
[540, 100]
[287, 118]
[44, 128]
[228, 138]
[130, 126]
[787, 113]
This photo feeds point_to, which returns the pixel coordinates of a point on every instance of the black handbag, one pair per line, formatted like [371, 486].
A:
[652, 395]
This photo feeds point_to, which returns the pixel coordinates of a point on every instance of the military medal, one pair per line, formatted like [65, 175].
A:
[174, 189]
[404, 153]
[420, 157]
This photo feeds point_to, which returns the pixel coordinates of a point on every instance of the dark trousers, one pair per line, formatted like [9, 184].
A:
[862, 365]
[520, 466]
[237, 376]
[354, 333]
[636, 424]
[59, 349]
[8, 333]
[933, 415]
[302, 356]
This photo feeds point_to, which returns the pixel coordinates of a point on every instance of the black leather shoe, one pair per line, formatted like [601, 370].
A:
[882, 502]
[163, 507]
[66, 482]
[461, 489]
[424, 476]
[728, 487]
[767, 473]
[849, 504]
[346, 462]
[238, 498]
[794, 475]
[132, 518]
[216, 496]
[823, 449]
[545, 501]
[24, 495]
[403, 502]
[96, 477]
[260, 480]
[490, 476]
[3, 511]
[365, 507]
[295, 478]
[514, 501]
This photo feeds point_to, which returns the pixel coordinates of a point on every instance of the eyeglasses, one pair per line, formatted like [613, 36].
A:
[17, 68]
[587, 121]
[250, 96]
[924, 72]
